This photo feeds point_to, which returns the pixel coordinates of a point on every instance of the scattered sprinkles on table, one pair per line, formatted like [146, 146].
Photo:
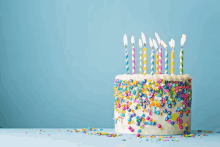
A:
[98, 132]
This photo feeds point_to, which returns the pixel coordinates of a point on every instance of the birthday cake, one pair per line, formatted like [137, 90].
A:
[155, 104]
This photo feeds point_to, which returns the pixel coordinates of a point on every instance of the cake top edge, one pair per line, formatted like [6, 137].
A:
[156, 77]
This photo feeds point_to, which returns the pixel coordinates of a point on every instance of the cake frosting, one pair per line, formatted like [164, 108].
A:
[157, 104]
[156, 77]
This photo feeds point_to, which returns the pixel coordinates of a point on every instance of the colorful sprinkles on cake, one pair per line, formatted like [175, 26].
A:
[158, 97]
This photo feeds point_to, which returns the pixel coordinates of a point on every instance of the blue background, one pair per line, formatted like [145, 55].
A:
[58, 59]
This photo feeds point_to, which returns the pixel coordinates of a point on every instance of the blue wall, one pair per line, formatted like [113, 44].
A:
[58, 59]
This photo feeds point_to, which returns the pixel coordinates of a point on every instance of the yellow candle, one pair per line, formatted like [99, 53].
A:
[157, 63]
[172, 61]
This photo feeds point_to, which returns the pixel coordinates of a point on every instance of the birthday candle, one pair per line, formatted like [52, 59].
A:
[126, 60]
[160, 60]
[152, 56]
[157, 63]
[166, 57]
[145, 53]
[172, 44]
[133, 56]
[166, 62]
[172, 61]
[152, 61]
[160, 53]
[183, 39]
[181, 61]
[126, 53]
[140, 66]
[145, 61]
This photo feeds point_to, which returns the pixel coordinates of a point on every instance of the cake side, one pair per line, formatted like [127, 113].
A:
[153, 104]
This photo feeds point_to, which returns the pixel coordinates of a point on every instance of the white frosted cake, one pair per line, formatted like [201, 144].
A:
[152, 104]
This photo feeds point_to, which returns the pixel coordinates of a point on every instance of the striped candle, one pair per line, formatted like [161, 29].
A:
[145, 53]
[160, 60]
[141, 60]
[181, 61]
[166, 62]
[126, 53]
[172, 61]
[145, 61]
[133, 56]
[157, 63]
[152, 61]
[158, 57]
[156, 47]
[166, 57]
[183, 39]
[126, 60]
[133, 61]
[172, 44]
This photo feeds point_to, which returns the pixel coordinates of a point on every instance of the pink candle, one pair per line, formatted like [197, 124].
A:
[133, 61]
[160, 60]
[133, 56]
